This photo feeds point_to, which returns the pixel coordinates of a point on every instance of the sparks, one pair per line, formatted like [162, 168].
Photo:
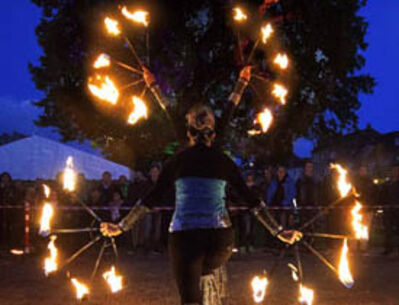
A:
[112, 26]
[345, 275]
[139, 111]
[137, 16]
[102, 61]
[50, 263]
[280, 92]
[81, 289]
[281, 60]
[69, 176]
[266, 32]
[114, 281]
[361, 230]
[105, 90]
[259, 286]
[306, 295]
[343, 185]
[239, 15]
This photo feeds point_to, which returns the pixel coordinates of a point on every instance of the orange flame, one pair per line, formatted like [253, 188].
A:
[259, 285]
[81, 289]
[112, 26]
[17, 252]
[361, 230]
[239, 15]
[137, 16]
[139, 112]
[47, 213]
[69, 176]
[114, 281]
[343, 185]
[102, 61]
[281, 60]
[264, 119]
[266, 32]
[50, 263]
[345, 275]
[306, 295]
[105, 90]
[280, 92]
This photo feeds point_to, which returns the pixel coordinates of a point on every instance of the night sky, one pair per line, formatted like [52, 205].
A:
[19, 18]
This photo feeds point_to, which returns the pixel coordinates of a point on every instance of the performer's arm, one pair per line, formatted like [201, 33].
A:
[143, 206]
[259, 209]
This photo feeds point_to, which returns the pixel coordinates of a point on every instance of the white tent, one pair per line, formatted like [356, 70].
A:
[37, 157]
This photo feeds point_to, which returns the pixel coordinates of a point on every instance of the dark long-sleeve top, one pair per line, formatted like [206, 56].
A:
[199, 175]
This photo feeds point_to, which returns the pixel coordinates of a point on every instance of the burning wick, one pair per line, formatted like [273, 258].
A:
[81, 289]
[69, 176]
[139, 112]
[112, 26]
[47, 214]
[266, 32]
[361, 230]
[114, 281]
[105, 90]
[239, 15]
[50, 263]
[264, 119]
[137, 16]
[343, 185]
[281, 60]
[280, 92]
[259, 285]
[102, 61]
[306, 295]
[345, 275]
[17, 252]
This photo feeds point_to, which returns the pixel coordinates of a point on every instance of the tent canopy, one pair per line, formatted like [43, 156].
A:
[37, 157]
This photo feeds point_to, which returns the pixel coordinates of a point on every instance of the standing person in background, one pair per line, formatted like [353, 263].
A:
[390, 197]
[123, 185]
[8, 197]
[281, 194]
[266, 180]
[106, 188]
[307, 191]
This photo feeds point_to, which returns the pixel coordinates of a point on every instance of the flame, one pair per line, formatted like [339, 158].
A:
[280, 92]
[69, 176]
[345, 275]
[306, 295]
[294, 272]
[112, 26]
[17, 252]
[114, 281]
[239, 15]
[139, 112]
[265, 119]
[50, 263]
[281, 60]
[361, 230]
[266, 32]
[343, 185]
[81, 289]
[137, 16]
[45, 220]
[259, 285]
[46, 190]
[105, 90]
[102, 61]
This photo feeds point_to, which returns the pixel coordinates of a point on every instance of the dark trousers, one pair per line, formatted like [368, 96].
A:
[194, 253]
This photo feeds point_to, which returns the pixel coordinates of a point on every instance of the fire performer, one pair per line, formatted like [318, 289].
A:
[201, 235]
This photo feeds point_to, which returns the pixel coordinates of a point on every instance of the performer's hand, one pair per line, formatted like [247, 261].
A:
[110, 229]
[245, 73]
[290, 236]
[149, 78]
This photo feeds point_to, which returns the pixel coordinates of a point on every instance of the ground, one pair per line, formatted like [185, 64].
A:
[149, 281]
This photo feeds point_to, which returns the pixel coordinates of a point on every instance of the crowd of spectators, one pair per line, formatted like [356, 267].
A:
[292, 201]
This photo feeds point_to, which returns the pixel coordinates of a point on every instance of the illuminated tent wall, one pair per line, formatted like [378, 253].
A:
[36, 157]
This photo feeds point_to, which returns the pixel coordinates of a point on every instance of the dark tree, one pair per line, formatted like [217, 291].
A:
[195, 58]
[6, 138]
